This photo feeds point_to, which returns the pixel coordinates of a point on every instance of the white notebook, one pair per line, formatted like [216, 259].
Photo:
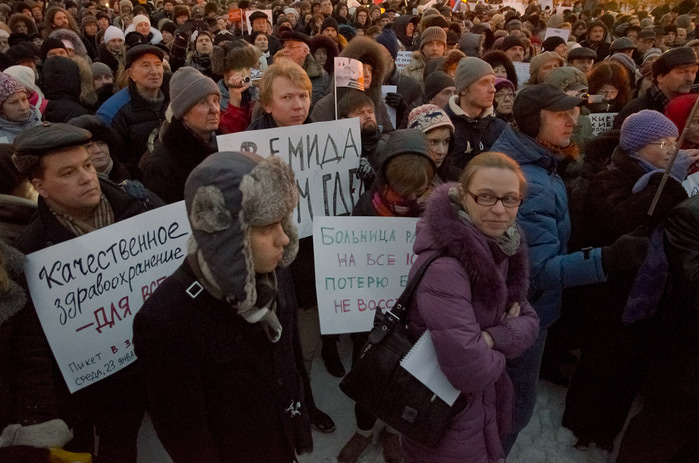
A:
[421, 362]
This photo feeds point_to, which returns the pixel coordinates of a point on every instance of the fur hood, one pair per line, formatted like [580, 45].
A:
[368, 51]
[73, 38]
[479, 254]
[226, 195]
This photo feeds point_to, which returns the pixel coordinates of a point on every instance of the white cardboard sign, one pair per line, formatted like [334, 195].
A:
[324, 157]
[403, 59]
[361, 263]
[87, 290]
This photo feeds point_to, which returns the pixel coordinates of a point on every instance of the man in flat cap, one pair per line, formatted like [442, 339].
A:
[136, 110]
[73, 202]
[673, 75]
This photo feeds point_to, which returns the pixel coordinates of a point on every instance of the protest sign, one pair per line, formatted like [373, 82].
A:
[602, 122]
[522, 70]
[515, 5]
[553, 32]
[324, 157]
[349, 73]
[361, 263]
[87, 290]
[403, 59]
[385, 90]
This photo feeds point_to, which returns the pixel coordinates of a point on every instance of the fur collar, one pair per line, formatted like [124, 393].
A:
[481, 256]
[15, 297]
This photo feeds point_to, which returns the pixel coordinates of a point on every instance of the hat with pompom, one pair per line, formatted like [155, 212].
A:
[645, 127]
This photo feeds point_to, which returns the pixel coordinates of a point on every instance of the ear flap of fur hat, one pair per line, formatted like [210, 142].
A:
[227, 194]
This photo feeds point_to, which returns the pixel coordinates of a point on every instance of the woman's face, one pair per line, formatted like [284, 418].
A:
[659, 152]
[262, 42]
[16, 107]
[321, 56]
[609, 92]
[438, 141]
[500, 71]
[489, 182]
[21, 27]
[91, 29]
[143, 28]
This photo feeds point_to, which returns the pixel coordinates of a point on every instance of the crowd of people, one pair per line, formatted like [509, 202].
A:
[564, 246]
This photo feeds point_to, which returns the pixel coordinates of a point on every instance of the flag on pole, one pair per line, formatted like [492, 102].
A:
[349, 73]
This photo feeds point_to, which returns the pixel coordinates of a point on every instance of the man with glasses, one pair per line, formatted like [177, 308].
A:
[673, 75]
[297, 49]
[546, 117]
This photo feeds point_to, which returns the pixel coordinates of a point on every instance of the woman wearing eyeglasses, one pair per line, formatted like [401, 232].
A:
[622, 313]
[473, 300]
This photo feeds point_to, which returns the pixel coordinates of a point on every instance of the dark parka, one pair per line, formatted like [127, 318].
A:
[61, 84]
[175, 156]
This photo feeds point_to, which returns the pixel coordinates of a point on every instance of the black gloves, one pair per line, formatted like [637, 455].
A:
[395, 100]
[627, 253]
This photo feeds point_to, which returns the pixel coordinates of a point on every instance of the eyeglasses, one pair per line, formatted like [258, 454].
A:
[664, 144]
[487, 199]
[510, 95]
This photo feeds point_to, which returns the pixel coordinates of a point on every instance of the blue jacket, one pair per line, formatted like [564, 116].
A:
[545, 220]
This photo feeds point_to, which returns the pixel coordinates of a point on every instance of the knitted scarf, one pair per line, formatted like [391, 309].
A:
[389, 203]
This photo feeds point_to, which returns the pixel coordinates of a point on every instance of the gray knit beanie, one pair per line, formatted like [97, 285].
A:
[644, 127]
[469, 70]
[433, 33]
[187, 87]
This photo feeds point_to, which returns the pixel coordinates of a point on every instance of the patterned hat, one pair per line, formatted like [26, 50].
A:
[644, 127]
[8, 86]
[428, 117]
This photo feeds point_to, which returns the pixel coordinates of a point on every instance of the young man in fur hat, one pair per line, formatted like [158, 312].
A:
[73, 201]
[218, 339]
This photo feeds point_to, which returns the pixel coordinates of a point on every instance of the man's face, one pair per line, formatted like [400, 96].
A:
[326, 8]
[296, 51]
[21, 27]
[147, 72]
[116, 45]
[367, 118]
[678, 81]
[99, 154]
[596, 34]
[91, 29]
[69, 181]
[267, 245]
[168, 6]
[442, 98]
[584, 64]
[203, 117]
[181, 19]
[16, 107]
[479, 94]
[101, 81]
[546, 69]
[60, 21]
[57, 52]
[433, 49]
[633, 35]
[143, 28]
[289, 104]
[515, 32]
[516, 53]
[557, 126]
[259, 24]
[103, 23]
[204, 44]
[330, 32]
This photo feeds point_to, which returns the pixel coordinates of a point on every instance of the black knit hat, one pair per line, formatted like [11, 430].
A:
[436, 82]
[49, 44]
[552, 42]
[532, 99]
[510, 42]
[673, 58]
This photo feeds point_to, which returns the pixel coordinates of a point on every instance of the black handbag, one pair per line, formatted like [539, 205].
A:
[379, 383]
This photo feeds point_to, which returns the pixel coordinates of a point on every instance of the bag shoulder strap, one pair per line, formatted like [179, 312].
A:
[402, 305]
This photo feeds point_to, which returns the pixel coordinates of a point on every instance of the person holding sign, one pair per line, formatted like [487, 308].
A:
[74, 202]
[473, 300]
[218, 340]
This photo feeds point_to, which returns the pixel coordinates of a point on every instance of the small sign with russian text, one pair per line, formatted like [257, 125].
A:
[362, 263]
[87, 290]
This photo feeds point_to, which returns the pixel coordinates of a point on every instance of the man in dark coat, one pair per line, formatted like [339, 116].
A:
[218, 339]
[136, 110]
[73, 202]
[673, 75]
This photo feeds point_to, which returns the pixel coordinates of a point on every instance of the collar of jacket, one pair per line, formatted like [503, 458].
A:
[456, 109]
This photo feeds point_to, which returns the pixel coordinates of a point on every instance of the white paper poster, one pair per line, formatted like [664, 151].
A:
[87, 290]
[324, 157]
[361, 263]
[553, 32]
[522, 70]
[403, 59]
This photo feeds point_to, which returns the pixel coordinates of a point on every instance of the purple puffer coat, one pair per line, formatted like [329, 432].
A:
[460, 295]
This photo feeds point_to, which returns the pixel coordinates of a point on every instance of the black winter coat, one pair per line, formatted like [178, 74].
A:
[166, 170]
[61, 84]
[219, 391]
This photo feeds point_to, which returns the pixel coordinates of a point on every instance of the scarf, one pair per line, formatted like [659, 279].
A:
[509, 241]
[102, 216]
[107, 170]
[389, 203]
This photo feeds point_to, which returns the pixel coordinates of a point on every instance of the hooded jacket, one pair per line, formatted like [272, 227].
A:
[61, 81]
[472, 135]
[545, 220]
[461, 294]
[400, 24]
[602, 47]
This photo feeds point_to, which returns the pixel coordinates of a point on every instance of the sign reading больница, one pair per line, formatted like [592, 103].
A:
[361, 263]
[324, 157]
[87, 290]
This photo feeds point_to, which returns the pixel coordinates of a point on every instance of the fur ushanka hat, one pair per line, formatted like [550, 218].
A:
[227, 194]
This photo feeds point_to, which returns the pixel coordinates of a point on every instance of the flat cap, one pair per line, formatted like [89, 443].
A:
[623, 43]
[137, 51]
[581, 53]
[674, 58]
[296, 37]
[43, 139]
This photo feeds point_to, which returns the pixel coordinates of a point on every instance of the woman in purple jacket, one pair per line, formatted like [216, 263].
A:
[474, 302]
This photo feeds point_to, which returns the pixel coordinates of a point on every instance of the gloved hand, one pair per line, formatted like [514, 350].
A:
[627, 253]
[395, 100]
